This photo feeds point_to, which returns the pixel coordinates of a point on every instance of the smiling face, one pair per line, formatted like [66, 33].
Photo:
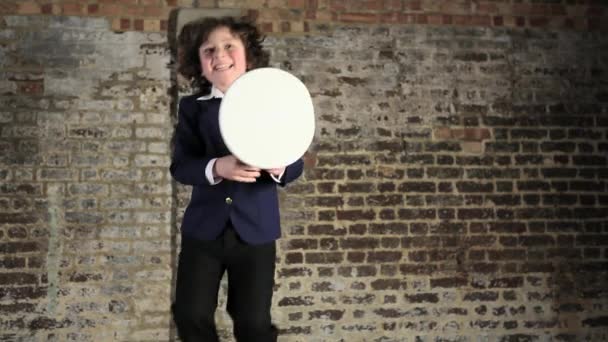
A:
[222, 58]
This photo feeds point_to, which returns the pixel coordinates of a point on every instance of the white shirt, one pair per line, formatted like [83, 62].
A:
[216, 93]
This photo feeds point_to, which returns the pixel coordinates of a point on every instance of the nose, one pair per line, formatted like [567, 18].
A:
[219, 52]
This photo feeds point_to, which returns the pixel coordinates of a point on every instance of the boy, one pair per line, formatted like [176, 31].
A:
[232, 220]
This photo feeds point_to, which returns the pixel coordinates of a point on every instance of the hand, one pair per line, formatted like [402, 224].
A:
[230, 168]
[276, 171]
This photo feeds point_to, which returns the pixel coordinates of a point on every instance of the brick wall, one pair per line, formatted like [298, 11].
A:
[85, 199]
[301, 15]
[456, 189]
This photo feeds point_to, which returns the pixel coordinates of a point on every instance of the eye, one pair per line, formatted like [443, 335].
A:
[229, 46]
[208, 51]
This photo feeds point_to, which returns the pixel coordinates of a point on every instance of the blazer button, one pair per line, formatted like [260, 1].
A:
[228, 200]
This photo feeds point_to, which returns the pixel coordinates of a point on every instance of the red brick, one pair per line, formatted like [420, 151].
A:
[72, 9]
[481, 20]
[558, 10]
[138, 24]
[463, 20]
[152, 11]
[337, 5]
[358, 17]
[435, 19]
[487, 7]
[422, 19]
[125, 24]
[297, 4]
[93, 9]
[407, 18]
[28, 7]
[46, 8]
[133, 11]
[538, 22]
[413, 5]
[112, 10]
[30, 87]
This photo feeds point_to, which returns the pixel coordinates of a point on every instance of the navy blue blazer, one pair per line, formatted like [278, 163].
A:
[252, 208]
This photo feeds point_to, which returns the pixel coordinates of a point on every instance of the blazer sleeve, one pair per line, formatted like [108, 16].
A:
[189, 159]
[292, 172]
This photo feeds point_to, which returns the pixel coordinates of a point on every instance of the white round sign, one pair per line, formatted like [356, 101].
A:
[267, 118]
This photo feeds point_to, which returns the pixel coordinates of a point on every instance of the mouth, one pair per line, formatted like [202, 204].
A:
[223, 67]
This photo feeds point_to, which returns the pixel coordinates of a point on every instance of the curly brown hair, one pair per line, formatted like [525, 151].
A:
[195, 33]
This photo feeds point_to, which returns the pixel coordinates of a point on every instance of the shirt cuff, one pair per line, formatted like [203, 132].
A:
[209, 173]
[275, 178]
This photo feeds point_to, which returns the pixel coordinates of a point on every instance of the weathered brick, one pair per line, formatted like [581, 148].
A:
[398, 228]
[486, 296]
[294, 272]
[474, 187]
[325, 229]
[422, 298]
[302, 244]
[18, 247]
[448, 282]
[475, 214]
[383, 257]
[18, 278]
[355, 215]
[413, 269]
[355, 257]
[417, 214]
[324, 174]
[337, 160]
[332, 315]
[507, 254]
[296, 301]
[384, 200]
[359, 243]
[324, 258]
[409, 187]
[355, 187]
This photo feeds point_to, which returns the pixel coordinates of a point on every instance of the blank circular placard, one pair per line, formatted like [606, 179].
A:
[267, 118]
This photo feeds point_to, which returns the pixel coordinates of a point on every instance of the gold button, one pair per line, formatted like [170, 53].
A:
[228, 200]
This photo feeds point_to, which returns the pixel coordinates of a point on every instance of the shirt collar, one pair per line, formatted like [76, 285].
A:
[215, 93]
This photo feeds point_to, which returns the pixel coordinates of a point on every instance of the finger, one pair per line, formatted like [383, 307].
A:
[245, 179]
[249, 167]
[249, 174]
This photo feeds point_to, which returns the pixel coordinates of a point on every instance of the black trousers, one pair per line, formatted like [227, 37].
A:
[250, 286]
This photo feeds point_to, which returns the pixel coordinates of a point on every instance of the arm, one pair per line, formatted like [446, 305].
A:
[189, 158]
[289, 174]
